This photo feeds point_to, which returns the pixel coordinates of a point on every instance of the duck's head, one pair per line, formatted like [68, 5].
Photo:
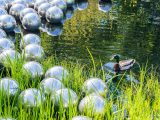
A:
[116, 57]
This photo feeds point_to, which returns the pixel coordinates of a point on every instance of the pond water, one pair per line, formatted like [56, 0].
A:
[130, 28]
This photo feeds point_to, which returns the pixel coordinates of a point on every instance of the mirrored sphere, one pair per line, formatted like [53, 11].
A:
[2, 34]
[9, 86]
[69, 13]
[16, 9]
[53, 30]
[54, 15]
[105, 6]
[59, 3]
[94, 85]
[43, 8]
[70, 2]
[7, 23]
[31, 97]
[3, 4]
[6, 44]
[57, 72]
[50, 85]
[26, 11]
[31, 21]
[81, 118]
[35, 69]
[65, 97]
[3, 12]
[30, 39]
[30, 3]
[13, 2]
[38, 3]
[33, 52]
[82, 4]
[93, 103]
[109, 67]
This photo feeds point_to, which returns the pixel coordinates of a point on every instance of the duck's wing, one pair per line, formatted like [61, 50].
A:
[126, 64]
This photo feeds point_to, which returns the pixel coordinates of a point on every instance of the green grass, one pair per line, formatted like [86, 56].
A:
[140, 102]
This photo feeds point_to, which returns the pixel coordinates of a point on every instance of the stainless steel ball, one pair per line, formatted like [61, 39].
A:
[9, 86]
[2, 34]
[54, 15]
[26, 11]
[31, 97]
[16, 9]
[6, 44]
[42, 9]
[3, 12]
[70, 2]
[64, 97]
[94, 85]
[60, 3]
[33, 52]
[3, 4]
[30, 3]
[82, 4]
[57, 72]
[50, 85]
[38, 3]
[8, 23]
[92, 103]
[81, 118]
[109, 67]
[105, 6]
[33, 68]
[31, 21]
[53, 30]
[69, 13]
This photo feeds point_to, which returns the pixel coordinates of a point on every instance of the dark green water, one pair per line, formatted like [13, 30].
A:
[131, 28]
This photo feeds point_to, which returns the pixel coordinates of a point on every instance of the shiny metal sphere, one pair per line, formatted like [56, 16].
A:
[7, 23]
[54, 30]
[50, 85]
[43, 8]
[70, 2]
[69, 13]
[31, 97]
[57, 72]
[13, 2]
[105, 6]
[93, 103]
[54, 15]
[109, 67]
[81, 118]
[66, 97]
[31, 21]
[6, 44]
[9, 86]
[60, 3]
[38, 3]
[2, 34]
[30, 3]
[3, 12]
[16, 9]
[94, 85]
[82, 4]
[35, 69]
[3, 4]
[26, 11]
[33, 52]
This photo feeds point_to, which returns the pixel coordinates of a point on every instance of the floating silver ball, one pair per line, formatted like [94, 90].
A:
[31, 21]
[3, 4]
[60, 3]
[2, 34]
[69, 13]
[31, 97]
[54, 15]
[26, 11]
[9, 86]
[8, 23]
[30, 3]
[105, 6]
[16, 9]
[109, 67]
[57, 72]
[6, 44]
[81, 118]
[70, 2]
[53, 30]
[82, 4]
[92, 103]
[35, 69]
[65, 97]
[43, 8]
[33, 52]
[38, 3]
[3, 12]
[50, 85]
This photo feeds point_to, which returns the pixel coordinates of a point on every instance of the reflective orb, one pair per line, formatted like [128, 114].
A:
[57, 72]
[13, 2]
[104, 6]
[33, 52]
[92, 103]
[109, 67]
[38, 3]
[26, 11]
[43, 8]
[82, 4]
[31, 21]
[6, 44]
[94, 85]
[54, 15]
[31, 97]
[3, 12]
[81, 118]
[59, 3]
[70, 2]
[3, 4]
[2, 34]
[9, 86]
[64, 97]
[35, 69]
[30, 39]
[30, 3]
[50, 85]
[69, 13]
[16, 9]
[54, 30]
[7, 23]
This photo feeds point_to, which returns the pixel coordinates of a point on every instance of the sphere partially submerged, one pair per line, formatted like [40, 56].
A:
[81, 118]
[105, 6]
[42, 9]
[26, 11]
[2, 34]
[82, 4]
[3, 12]
[53, 30]
[60, 3]
[31, 97]
[65, 97]
[6, 44]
